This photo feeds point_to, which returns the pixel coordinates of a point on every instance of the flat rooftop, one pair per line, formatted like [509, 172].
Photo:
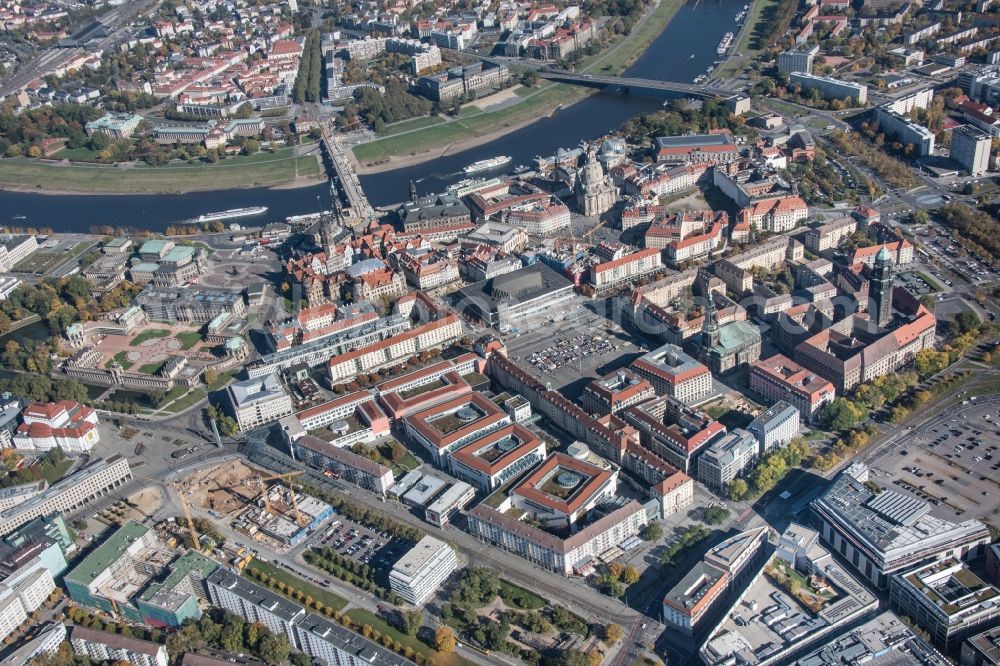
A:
[882, 641]
[518, 286]
[108, 552]
[770, 624]
[892, 526]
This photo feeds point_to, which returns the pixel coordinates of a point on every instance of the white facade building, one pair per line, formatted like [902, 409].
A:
[254, 603]
[256, 402]
[418, 574]
[104, 646]
[66, 424]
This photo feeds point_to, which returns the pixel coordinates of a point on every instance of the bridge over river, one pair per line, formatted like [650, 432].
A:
[634, 85]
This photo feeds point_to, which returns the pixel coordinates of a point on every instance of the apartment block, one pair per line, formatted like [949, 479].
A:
[254, 603]
[831, 88]
[971, 147]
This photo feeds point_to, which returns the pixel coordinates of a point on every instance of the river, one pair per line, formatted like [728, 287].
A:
[682, 51]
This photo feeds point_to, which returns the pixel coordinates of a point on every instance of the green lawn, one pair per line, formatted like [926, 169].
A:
[122, 358]
[55, 473]
[411, 124]
[193, 397]
[189, 339]
[149, 334]
[152, 368]
[931, 282]
[411, 142]
[259, 170]
[408, 463]
[294, 582]
[539, 103]
[363, 617]
[221, 381]
[174, 393]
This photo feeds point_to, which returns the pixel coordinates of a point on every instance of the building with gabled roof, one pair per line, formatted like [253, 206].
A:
[616, 391]
[779, 378]
[673, 431]
[674, 373]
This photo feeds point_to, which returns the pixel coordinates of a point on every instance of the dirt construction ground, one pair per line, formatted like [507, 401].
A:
[224, 488]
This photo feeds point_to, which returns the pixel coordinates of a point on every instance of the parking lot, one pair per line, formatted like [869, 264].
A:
[914, 281]
[574, 349]
[939, 244]
[380, 550]
[955, 466]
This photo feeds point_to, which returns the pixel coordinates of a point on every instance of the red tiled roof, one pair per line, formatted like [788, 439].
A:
[467, 456]
[594, 479]
[627, 259]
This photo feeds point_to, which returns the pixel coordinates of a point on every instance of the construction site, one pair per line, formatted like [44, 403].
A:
[255, 502]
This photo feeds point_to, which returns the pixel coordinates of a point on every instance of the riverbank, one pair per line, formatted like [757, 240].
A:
[281, 169]
[468, 130]
[422, 145]
[747, 42]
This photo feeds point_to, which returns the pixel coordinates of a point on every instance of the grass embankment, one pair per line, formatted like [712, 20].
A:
[293, 582]
[411, 124]
[620, 55]
[263, 169]
[365, 617]
[536, 103]
[423, 134]
[750, 41]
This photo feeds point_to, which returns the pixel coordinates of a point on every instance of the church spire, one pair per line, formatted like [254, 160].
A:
[710, 326]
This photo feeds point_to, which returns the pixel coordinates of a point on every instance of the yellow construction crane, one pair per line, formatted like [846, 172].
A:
[187, 516]
[263, 491]
[184, 506]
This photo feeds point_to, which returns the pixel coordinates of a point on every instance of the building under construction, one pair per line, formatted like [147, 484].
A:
[283, 515]
[135, 576]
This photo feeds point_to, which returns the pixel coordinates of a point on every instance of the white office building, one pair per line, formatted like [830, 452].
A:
[776, 427]
[419, 573]
[904, 130]
[798, 59]
[15, 249]
[256, 402]
[830, 88]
